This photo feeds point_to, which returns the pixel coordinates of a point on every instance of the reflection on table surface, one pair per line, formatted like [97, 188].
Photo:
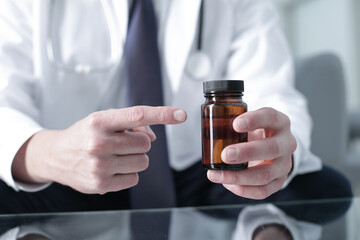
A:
[316, 219]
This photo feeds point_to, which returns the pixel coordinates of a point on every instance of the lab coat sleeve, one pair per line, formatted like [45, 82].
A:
[260, 56]
[19, 113]
[253, 217]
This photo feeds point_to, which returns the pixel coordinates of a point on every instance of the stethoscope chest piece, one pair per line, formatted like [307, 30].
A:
[199, 65]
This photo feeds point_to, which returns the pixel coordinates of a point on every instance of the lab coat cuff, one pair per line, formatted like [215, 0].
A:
[8, 155]
[303, 162]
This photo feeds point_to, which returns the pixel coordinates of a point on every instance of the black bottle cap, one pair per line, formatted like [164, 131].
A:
[223, 86]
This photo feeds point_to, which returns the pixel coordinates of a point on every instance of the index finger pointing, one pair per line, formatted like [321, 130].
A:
[133, 117]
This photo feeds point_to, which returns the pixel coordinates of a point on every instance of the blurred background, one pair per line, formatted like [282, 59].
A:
[316, 27]
[330, 29]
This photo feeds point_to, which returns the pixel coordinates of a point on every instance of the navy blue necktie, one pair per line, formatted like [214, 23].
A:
[144, 87]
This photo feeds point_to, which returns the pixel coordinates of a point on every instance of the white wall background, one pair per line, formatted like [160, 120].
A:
[314, 26]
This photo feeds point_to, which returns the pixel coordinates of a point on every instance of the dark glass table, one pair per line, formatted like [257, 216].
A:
[315, 219]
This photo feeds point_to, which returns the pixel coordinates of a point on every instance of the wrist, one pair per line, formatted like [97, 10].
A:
[30, 164]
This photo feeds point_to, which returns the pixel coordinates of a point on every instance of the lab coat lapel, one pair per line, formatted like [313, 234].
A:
[122, 15]
[179, 34]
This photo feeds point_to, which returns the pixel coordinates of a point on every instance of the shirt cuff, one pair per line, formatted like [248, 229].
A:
[31, 187]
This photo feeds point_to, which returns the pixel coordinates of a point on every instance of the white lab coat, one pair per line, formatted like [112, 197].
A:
[241, 37]
[255, 216]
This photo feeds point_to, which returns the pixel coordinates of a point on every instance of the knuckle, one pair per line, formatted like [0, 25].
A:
[94, 146]
[267, 176]
[145, 142]
[274, 115]
[293, 144]
[136, 114]
[274, 147]
[264, 176]
[246, 191]
[270, 111]
[287, 121]
[282, 181]
[95, 167]
[94, 120]
[262, 193]
[98, 183]
[245, 152]
[144, 162]
[162, 116]
[241, 191]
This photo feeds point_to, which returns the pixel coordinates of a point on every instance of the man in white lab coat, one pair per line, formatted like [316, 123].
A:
[61, 70]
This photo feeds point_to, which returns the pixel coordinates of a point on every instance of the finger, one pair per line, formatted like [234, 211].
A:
[256, 135]
[119, 182]
[127, 143]
[147, 130]
[125, 164]
[267, 118]
[267, 148]
[120, 143]
[257, 192]
[110, 183]
[261, 174]
[138, 116]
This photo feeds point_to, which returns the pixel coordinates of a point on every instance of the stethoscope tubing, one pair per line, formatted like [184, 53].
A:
[200, 31]
[199, 62]
[80, 68]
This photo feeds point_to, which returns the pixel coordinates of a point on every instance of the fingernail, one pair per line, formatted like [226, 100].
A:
[151, 133]
[215, 176]
[231, 154]
[180, 115]
[241, 123]
[148, 128]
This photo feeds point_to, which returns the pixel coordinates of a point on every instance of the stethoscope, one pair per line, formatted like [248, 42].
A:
[197, 67]
[54, 57]
[199, 63]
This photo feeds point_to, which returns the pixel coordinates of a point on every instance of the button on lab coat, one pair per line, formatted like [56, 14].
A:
[242, 39]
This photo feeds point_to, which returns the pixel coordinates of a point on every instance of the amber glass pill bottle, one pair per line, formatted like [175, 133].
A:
[223, 103]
